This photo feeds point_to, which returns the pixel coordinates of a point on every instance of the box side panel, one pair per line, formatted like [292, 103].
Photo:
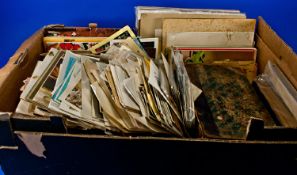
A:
[275, 49]
[19, 67]
[78, 155]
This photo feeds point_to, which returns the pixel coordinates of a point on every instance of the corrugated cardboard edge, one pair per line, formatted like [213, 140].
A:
[19, 67]
[275, 49]
[203, 140]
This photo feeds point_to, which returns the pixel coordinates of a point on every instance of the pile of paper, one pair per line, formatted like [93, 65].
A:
[218, 48]
[149, 20]
[122, 83]
[118, 89]
[226, 36]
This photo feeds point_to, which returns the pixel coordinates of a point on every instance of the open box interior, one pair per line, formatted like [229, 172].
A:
[21, 65]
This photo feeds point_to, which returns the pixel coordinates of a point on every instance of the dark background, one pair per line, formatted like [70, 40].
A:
[19, 19]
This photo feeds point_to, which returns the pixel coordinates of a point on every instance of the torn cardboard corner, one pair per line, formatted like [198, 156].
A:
[255, 126]
[33, 143]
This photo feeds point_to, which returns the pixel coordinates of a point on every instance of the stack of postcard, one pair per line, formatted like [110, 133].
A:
[212, 36]
[189, 73]
[74, 38]
[217, 47]
[118, 88]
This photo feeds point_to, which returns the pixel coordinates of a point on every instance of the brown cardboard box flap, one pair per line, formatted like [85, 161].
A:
[280, 52]
[19, 67]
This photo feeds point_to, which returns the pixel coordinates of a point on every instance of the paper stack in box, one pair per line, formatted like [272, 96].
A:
[118, 88]
[187, 74]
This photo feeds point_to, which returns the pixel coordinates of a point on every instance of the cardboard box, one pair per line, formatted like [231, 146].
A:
[44, 146]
